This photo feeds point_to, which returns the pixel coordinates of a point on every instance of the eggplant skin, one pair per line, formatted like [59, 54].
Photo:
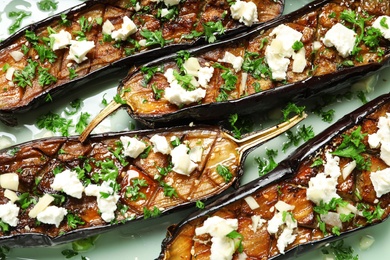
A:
[326, 71]
[288, 183]
[108, 56]
[157, 185]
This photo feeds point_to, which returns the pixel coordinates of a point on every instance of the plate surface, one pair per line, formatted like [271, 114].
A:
[142, 240]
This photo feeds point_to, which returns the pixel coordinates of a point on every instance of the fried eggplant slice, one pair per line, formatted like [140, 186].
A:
[320, 48]
[57, 190]
[328, 188]
[102, 36]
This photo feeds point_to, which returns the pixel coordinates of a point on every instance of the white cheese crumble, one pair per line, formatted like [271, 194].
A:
[193, 68]
[348, 169]
[128, 28]
[160, 144]
[236, 61]
[10, 73]
[244, 12]
[52, 215]
[11, 195]
[342, 38]
[107, 206]
[132, 147]
[68, 182]
[222, 247]
[381, 182]
[382, 138]
[285, 219]
[377, 24]
[257, 222]
[17, 55]
[61, 40]
[107, 27]
[79, 49]
[171, 2]
[181, 160]
[322, 187]
[9, 213]
[177, 95]
[279, 52]
[9, 181]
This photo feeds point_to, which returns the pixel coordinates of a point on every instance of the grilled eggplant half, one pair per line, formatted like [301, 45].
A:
[330, 187]
[101, 36]
[57, 190]
[320, 48]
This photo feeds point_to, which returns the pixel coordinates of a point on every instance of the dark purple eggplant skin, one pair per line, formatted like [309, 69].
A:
[118, 68]
[36, 240]
[286, 170]
[264, 100]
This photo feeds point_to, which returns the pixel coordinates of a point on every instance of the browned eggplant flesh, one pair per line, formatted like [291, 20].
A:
[56, 190]
[312, 50]
[331, 186]
[43, 58]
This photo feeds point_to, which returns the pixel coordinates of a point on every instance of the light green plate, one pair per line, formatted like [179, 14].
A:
[142, 240]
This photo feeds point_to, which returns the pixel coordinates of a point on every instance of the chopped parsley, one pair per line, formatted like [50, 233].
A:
[54, 122]
[200, 204]
[340, 251]
[19, 16]
[237, 237]
[240, 125]
[83, 122]
[352, 147]
[72, 73]
[149, 73]
[229, 84]
[69, 253]
[298, 45]
[302, 134]
[45, 78]
[256, 66]
[317, 162]
[155, 212]
[46, 5]
[224, 172]
[133, 190]
[181, 57]
[265, 165]
[74, 221]
[211, 29]
[154, 38]
[157, 93]
[332, 205]
[292, 108]
[24, 77]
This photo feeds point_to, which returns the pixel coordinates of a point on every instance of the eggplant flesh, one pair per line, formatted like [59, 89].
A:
[144, 185]
[254, 88]
[45, 72]
[317, 223]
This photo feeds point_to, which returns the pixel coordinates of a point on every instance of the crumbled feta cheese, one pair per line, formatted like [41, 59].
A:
[382, 138]
[171, 2]
[193, 68]
[236, 61]
[79, 49]
[244, 12]
[252, 203]
[10, 73]
[128, 28]
[107, 206]
[164, 12]
[342, 38]
[137, 7]
[177, 95]
[42, 204]
[299, 62]
[132, 147]
[348, 169]
[332, 219]
[9, 213]
[160, 144]
[384, 19]
[322, 187]
[61, 40]
[257, 222]
[222, 247]
[277, 54]
[68, 182]
[107, 27]
[17, 55]
[287, 236]
[11, 195]
[316, 45]
[196, 153]
[9, 181]
[204, 75]
[381, 181]
[52, 215]
[181, 160]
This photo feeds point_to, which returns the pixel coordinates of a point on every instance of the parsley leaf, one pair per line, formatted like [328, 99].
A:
[53, 122]
[154, 38]
[83, 122]
[224, 172]
[292, 108]
[46, 5]
[237, 237]
[24, 77]
[45, 78]
[265, 165]
[297, 45]
[212, 28]
[256, 66]
[19, 16]
[155, 212]
[133, 190]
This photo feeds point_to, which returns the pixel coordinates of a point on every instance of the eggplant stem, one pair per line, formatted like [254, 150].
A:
[109, 109]
[259, 137]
